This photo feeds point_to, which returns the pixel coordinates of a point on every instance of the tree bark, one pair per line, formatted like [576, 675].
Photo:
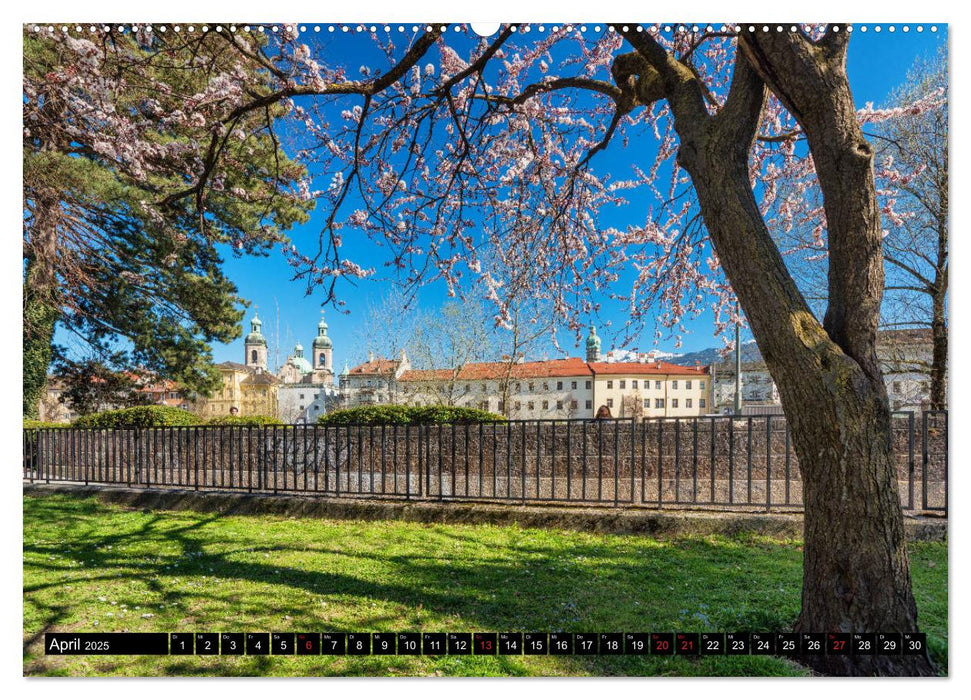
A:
[856, 570]
[40, 304]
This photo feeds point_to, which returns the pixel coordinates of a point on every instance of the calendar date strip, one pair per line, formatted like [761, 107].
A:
[482, 643]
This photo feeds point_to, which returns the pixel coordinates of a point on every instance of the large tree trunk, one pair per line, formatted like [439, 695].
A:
[856, 570]
[40, 302]
[939, 310]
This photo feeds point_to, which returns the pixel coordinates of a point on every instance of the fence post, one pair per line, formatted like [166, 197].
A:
[925, 458]
[768, 463]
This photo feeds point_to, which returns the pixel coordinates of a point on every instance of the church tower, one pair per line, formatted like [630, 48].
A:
[593, 345]
[323, 349]
[255, 345]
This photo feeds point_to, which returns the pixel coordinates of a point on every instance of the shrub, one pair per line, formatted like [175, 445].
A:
[139, 417]
[37, 424]
[407, 415]
[244, 420]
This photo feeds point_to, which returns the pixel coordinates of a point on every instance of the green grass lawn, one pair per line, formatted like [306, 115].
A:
[91, 567]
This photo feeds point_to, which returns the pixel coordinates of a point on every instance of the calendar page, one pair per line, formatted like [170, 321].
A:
[454, 349]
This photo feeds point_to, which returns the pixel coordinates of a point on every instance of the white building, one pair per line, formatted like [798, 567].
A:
[550, 389]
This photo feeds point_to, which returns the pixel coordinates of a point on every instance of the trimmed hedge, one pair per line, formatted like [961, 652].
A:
[139, 417]
[407, 415]
[37, 424]
[244, 420]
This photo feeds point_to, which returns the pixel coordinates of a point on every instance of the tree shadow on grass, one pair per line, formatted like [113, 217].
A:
[523, 585]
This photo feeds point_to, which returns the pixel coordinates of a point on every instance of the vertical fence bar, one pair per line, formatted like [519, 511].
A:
[451, 487]
[749, 462]
[384, 459]
[616, 427]
[337, 459]
[677, 460]
[195, 457]
[569, 455]
[910, 460]
[768, 463]
[522, 473]
[925, 458]
[408, 461]
[600, 459]
[694, 460]
[441, 482]
[509, 459]
[583, 464]
[495, 459]
[481, 448]
[643, 461]
[946, 457]
[731, 460]
[539, 466]
[660, 461]
[633, 458]
[788, 463]
[711, 461]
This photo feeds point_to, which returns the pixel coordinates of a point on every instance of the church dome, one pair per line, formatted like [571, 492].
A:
[255, 336]
[301, 364]
[299, 361]
[322, 342]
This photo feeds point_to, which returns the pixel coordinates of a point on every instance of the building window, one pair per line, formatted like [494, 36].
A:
[701, 385]
[519, 386]
[687, 403]
[301, 396]
[483, 388]
[674, 384]
[546, 405]
[896, 387]
[674, 403]
[687, 384]
[647, 403]
[529, 405]
[633, 384]
[559, 405]
[623, 383]
[301, 408]
[610, 383]
[518, 405]
[573, 404]
[573, 385]
[657, 384]
[701, 403]
[559, 386]
[546, 386]
[484, 405]
[468, 388]
[589, 404]
[658, 403]
[588, 384]
[530, 386]
[610, 403]
[502, 405]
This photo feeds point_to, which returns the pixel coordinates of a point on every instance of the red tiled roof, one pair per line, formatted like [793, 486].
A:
[378, 366]
[644, 368]
[475, 371]
[569, 367]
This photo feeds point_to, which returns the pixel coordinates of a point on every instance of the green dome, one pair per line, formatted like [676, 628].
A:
[298, 360]
[593, 340]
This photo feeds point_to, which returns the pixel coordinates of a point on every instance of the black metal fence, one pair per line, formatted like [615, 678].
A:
[719, 462]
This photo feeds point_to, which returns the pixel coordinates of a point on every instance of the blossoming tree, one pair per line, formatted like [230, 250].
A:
[462, 156]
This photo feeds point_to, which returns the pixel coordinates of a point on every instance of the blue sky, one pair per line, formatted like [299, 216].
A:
[877, 63]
